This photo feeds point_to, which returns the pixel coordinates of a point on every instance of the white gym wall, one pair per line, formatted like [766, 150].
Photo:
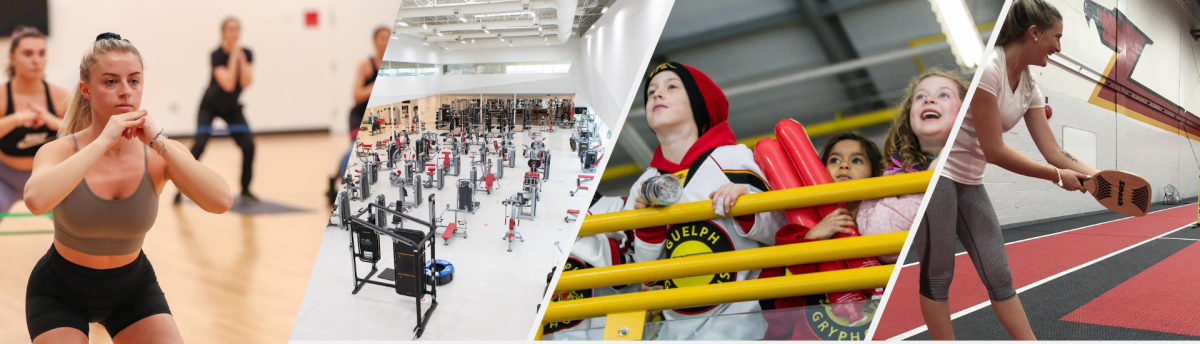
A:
[1122, 141]
[612, 56]
[302, 78]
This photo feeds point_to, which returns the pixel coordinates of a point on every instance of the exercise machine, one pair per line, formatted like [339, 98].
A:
[410, 249]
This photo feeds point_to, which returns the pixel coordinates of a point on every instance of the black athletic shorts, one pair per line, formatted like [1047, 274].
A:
[64, 294]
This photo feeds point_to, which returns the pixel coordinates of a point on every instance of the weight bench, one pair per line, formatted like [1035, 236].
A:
[452, 229]
[579, 186]
[512, 235]
[572, 215]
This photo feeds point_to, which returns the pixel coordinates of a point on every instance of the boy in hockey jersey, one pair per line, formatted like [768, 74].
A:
[687, 112]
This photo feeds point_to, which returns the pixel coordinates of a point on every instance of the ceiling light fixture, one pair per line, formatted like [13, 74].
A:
[603, 10]
[958, 25]
[439, 33]
[472, 41]
[424, 26]
[402, 23]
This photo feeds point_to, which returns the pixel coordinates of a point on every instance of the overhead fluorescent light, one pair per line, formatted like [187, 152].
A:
[959, 28]
[439, 33]
[603, 10]
[402, 23]
[472, 41]
[462, 18]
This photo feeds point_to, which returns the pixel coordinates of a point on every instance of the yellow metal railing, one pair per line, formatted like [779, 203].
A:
[626, 314]
[707, 264]
[903, 184]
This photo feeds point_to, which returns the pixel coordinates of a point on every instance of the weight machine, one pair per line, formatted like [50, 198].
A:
[410, 249]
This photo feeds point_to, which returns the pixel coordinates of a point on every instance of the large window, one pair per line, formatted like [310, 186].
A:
[394, 68]
[544, 67]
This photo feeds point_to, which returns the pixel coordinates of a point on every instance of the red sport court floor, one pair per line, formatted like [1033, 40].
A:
[1097, 277]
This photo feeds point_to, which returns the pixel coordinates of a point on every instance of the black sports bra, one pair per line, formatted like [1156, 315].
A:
[22, 141]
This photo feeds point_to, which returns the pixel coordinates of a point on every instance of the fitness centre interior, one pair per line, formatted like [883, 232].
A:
[236, 277]
[1121, 94]
[474, 162]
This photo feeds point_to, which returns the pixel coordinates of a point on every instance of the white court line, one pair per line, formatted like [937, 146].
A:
[1185, 239]
[981, 305]
[1066, 231]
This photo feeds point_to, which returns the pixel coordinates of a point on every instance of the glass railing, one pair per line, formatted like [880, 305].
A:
[396, 68]
[541, 67]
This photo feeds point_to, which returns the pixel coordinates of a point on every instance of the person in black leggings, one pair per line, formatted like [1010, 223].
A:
[368, 71]
[232, 71]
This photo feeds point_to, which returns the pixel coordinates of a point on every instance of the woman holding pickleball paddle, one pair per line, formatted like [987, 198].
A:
[960, 206]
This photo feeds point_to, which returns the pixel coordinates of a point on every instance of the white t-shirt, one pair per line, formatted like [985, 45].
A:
[966, 161]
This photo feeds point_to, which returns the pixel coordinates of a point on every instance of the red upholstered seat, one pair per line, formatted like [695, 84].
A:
[449, 231]
[573, 211]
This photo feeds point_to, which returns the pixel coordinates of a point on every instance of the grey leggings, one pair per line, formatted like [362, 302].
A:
[12, 186]
[964, 210]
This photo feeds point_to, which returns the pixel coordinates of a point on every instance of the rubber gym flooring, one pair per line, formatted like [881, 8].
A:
[228, 278]
[1096, 277]
[494, 293]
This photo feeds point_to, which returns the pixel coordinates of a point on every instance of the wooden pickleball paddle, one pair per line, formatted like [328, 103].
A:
[1120, 191]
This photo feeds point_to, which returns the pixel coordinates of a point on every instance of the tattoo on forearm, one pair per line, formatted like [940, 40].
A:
[1069, 156]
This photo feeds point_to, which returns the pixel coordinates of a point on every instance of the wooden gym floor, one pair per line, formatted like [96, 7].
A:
[229, 278]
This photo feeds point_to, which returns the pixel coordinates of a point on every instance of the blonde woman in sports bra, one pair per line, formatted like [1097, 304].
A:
[103, 179]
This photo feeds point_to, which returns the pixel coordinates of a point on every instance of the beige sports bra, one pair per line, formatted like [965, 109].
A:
[87, 223]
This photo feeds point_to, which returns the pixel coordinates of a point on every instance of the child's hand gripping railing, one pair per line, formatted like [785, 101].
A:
[626, 313]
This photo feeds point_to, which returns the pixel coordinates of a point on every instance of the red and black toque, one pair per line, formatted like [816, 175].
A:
[709, 106]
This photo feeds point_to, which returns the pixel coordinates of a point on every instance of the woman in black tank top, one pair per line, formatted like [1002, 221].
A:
[232, 71]
[32, 112]
[364, 82]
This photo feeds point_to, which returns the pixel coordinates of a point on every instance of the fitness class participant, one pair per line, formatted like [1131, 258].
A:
[687, 112]
[103, 185]
[364, 82]
[32, 111]
[232, 71]
[959, 204]
[918, 134]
